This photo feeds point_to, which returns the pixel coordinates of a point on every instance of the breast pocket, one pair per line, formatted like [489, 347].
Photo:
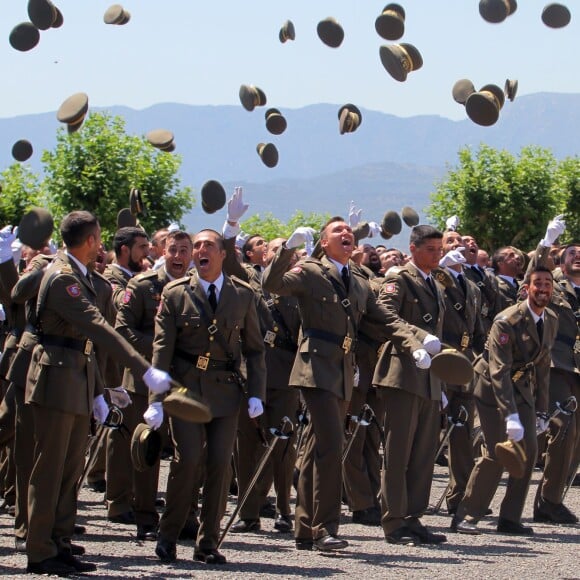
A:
[188, 323]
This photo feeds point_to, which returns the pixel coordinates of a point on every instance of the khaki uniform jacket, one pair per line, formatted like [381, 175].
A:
[322, 363]
[487, 284]
[118, 279]
[512, 346]
[136, 319]
[407, 296]
[15, 315]
[181, 335]
[66, 378]
[507, 295]
[565, 304]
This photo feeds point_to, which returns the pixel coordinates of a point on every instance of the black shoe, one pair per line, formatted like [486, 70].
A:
[20, 545]
[146, 533]
[209, 556]
[329, 543]
[283, 524]
[576, 480]
[556, 513]
[77, 549]
[245, 526]
[442, 461]
[166, 551]
[72, 561]
[424, 535]
[464, 527]
[304, 544]
[404, 536]
[99, 486]
[369, 517]
[515, 528]
[125, 518]
[79, 530]
[189, 530]
[50, 566]
[268, 510]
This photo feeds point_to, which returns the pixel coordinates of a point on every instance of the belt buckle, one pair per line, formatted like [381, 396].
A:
[345, 303]
[88, 347]
[457, 306]
[270, 337]
[346, 344]
[202, 363]
[517, 376]
[427, 317]
[465, 340]
[212, 329]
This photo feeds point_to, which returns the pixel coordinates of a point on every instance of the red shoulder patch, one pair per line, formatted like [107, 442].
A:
[74, 290]
[390, 288]
[504, 338]
[296, 269]
[127, 296]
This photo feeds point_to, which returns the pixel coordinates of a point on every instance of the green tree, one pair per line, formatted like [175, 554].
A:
[500, 199]
[271, 227]
[96, 167]
[568, 192]
[20, 191]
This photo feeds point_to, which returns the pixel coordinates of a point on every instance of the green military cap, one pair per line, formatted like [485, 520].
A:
[145, 447]
[126, 219]
[22, 150]
[73, 110]
[390, 25]
[136, 202]
[452, 366]
[330, 32]
[556, 15]
[361, 231]
[251, 97]
[495, 11]
[59, 20]
[461, 90]
[42, 13]
[287, 31]
[213, 196]
[24, 36]
[116, 14]
[512, 455]
[35, 228]
[483, 106]
[275, 122]
[182, 404]
[400, 59]
[410, 216]
[349, 118]
[268, 154]
[161, 139]
[392, 224]
[510, 89]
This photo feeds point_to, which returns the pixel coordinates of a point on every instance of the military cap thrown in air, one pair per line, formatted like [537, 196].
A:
[287, 32]
[160, 139]
[330, 32]
[213, 196]
[22, 150]
[483, 106]
[268, 154]
[349, 118]
[496, 11]
[35, 228]
[390, 25]
[556, 15]
[42, 13]
[275, 122]
[461, 90]
[24, 36]
[400, 59]
[126, 219]
[73, 110]
[410, 216]
[251, 97]
[392, 224]
[510, 89]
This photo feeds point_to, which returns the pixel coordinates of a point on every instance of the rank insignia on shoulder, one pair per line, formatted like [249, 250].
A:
[504, 338]
[74, 290]
[127, 296]
[390, 288]
[65, 269]
[296, 269]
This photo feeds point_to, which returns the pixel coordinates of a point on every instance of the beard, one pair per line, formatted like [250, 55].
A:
[134, 266]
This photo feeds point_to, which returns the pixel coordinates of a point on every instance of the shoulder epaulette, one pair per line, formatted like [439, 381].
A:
[443, 277]
[146, 275]
[240, 282]
[178, 282]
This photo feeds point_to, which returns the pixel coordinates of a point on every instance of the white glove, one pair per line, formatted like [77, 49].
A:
[452, 223]
[157, 381]
[236, 206]
[120, 397]
[100, 409]
[255, 407]
[514, 428]
[52, 246]
[422, 358]
[374, 230]
[452, 258]
[16, 248]
[555, 229]
[432, 344]
[7, 236]
[241, 238]
[444, 400]
[541, 425]
[354, 215]
[301, 235]
[154, 415]
[2, 313]
[173, 227]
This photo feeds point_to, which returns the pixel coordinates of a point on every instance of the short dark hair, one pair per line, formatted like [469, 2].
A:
[126, 237]
[420, 234]
[535, 270]
[220, 238]
[498, 257]
[248, 245]
[565, 249]
[76, 227]
[332, 220]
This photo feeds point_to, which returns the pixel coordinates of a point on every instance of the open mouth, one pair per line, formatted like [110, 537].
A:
[203, 262]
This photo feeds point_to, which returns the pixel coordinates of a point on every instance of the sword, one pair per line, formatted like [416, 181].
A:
[364, 419]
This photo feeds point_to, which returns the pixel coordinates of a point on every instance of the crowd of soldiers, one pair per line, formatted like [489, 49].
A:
[337, 337]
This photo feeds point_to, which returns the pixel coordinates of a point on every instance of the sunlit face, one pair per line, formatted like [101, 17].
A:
[93, 247]
[510, 264]
[571, 261]
[451, 241]
[177, 254]
[138, 252]
[389, 259]
[337, 241]
[471, 249]
[273, 248]
[539, 290]
[426, 256]
[258, 251]
[208, 255]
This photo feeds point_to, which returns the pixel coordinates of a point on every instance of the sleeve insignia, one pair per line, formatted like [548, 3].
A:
[296, 270]
[74, 290]
[504, 338]
[127, 296]
[390, 288]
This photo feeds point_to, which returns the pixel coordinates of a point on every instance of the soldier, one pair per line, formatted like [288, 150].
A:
[564, 431]
[511, 384]
[506, 266]
[63, 387]
[205, 323]
[332, 299]
[412, 395]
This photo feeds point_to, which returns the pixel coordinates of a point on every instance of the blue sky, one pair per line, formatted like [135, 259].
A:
[201, 52]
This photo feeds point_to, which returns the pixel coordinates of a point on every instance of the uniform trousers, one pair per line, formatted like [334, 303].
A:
[60, 441]
[487, 472]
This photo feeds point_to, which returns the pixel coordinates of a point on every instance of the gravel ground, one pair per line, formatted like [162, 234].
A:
[551, 553]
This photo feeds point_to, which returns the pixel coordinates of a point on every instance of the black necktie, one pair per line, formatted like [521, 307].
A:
[258, 268]
[431, 285]
[577, 290]
[462, 283]
[478, 271]
[345, 277]
[540, 328]
[90, 280]
[211, 297]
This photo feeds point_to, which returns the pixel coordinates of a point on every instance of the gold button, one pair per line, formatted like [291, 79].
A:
[275, 329]
[211, 338]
